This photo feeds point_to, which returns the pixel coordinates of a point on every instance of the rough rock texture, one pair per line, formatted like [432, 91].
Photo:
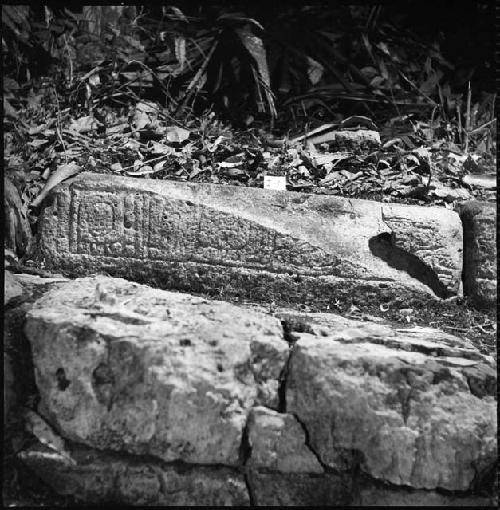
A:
[159, 398]
[417, 338]
[124, 367]
[20, 291]
[408, 408]
[299, 489]
[480, 251]
[13, 290]
[370, 494]
[94, 476]
[277, 442]
[258, 244]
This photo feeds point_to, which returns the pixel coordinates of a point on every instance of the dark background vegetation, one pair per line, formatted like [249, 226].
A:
[363, 51]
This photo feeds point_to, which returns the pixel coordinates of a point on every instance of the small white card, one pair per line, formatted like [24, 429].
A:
[275, 182]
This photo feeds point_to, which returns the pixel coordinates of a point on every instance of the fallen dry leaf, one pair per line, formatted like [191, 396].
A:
[177, 134]
[62, 173]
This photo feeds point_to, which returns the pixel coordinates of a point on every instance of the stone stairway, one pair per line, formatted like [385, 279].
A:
[155, 397]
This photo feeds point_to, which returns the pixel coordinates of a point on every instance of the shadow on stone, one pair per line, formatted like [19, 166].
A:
[382, 246]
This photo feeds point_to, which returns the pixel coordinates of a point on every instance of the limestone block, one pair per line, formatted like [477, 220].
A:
[480, 251]
[277, 442]
[124, 367]
[261, 245]
[409, 408]
[98, 477]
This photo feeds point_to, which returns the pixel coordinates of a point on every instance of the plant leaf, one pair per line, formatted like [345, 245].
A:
[255, 47]
[314, 70]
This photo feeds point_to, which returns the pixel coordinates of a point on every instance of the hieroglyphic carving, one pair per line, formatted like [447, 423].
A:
[148, 226]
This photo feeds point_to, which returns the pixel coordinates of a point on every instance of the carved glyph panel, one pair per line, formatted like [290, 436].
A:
[117, 224]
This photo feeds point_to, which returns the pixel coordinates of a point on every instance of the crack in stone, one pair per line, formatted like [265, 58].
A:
[405, 395]
[282, 379]
[307, 442]
[250, 489]
[245, 450]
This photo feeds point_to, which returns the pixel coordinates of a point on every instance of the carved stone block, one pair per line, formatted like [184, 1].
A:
[256, 244]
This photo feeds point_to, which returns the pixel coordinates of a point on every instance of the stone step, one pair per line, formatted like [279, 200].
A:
[251, 243]
[165, 398]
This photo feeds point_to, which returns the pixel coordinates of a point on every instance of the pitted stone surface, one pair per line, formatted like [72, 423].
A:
[406, 411]
[480, 251]
[124, 367]
[258, 244]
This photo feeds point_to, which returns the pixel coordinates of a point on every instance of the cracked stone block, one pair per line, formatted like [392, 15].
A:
[480, 251]
[249, 243]
[409, 408]
[278, 443]
[123, 367]
[103, 477]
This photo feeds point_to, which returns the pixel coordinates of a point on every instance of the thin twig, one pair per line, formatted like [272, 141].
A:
[480, 128]
[417, 89]
[432, 123]
[196, 79]
[69, 59]
[146, 162]
[58, 126]
[467, 121]
[489, 138]
[460, 131]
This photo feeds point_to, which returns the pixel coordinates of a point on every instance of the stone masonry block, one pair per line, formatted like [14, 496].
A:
[256, 244]
[480, 251]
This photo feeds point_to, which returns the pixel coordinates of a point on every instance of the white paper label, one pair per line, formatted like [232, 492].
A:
[275, 182]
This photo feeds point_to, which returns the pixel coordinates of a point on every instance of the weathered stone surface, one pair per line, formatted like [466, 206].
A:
[277, 442]
[259, 244]
[417, 338]
[17, 364]
[12, 288]
[153, 392]
[299, 489]
[124, 367]
[402, 407]
[480, 251]
[98, 477]
[378, 495]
